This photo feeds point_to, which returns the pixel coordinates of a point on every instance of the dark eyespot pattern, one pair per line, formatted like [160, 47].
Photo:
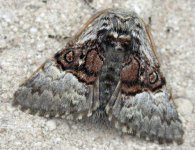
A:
[153, 77]
[69, 57]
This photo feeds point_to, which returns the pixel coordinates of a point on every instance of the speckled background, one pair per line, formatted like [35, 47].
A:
[24, 45]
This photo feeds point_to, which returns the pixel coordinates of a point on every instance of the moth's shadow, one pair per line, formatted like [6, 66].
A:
[104, 127]
[101, 126]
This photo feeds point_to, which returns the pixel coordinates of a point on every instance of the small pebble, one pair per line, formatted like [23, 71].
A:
[51, 125]
[33, 30]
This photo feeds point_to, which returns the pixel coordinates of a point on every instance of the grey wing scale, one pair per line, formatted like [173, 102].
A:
[148, 115]
[52, 92]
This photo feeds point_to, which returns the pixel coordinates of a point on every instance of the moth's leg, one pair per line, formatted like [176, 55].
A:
[89, 104]
[112, 100]
[96, 96]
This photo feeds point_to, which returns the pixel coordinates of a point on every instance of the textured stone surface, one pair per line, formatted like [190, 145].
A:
[24, 45]
[185, 107]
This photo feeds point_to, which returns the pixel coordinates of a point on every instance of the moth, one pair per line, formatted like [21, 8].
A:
[108, 68]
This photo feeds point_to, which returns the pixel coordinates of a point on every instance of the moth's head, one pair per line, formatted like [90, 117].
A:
[118, 41]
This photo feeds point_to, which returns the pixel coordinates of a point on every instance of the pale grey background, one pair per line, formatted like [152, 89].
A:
[24, 45]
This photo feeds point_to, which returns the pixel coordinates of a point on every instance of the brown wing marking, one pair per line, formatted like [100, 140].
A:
[84, 64]
[136, 77]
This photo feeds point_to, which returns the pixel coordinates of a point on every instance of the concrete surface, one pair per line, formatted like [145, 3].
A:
[24, 45]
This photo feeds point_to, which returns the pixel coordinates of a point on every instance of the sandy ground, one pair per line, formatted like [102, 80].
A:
[24, 45]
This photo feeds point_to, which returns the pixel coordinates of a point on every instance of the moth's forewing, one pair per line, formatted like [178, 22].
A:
[67, 84]
[57, 88]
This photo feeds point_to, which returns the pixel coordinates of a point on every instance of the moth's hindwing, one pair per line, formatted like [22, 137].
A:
[147, 115]
[58, 87]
